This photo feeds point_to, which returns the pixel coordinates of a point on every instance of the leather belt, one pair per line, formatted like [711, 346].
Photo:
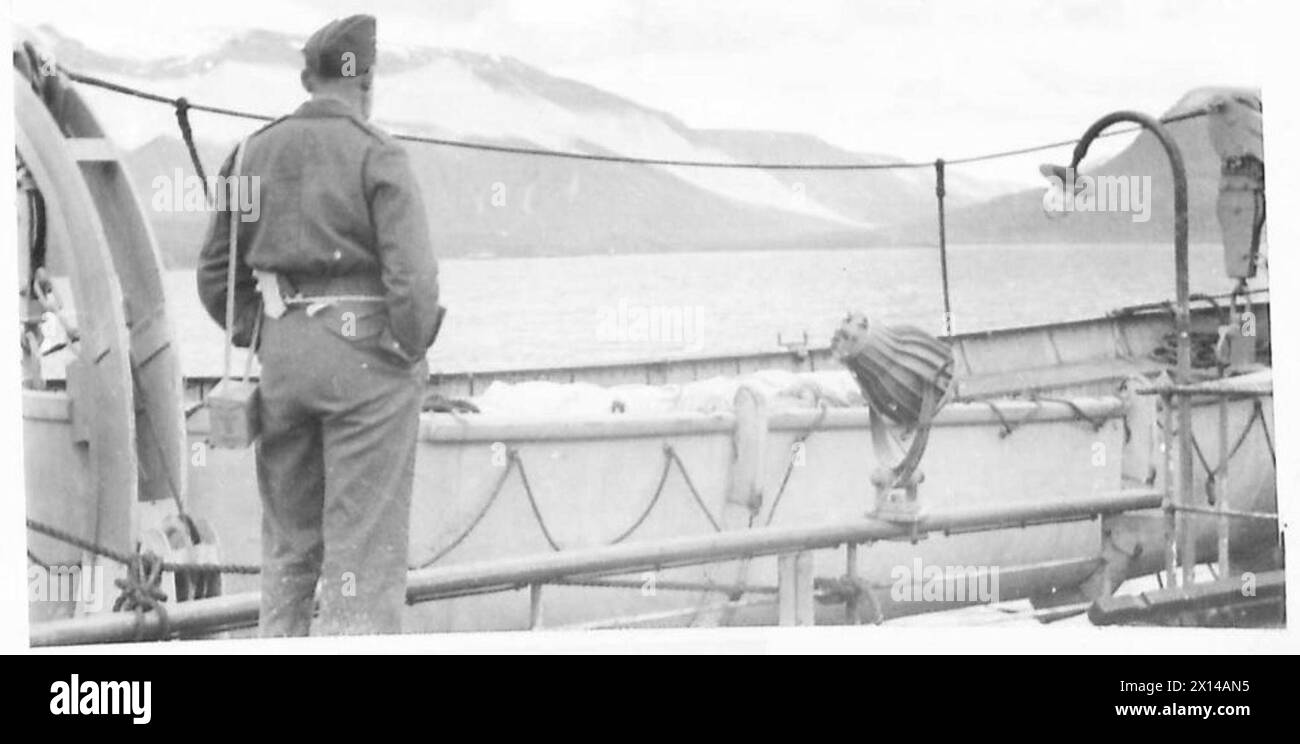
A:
[301, 285]
[281, 292]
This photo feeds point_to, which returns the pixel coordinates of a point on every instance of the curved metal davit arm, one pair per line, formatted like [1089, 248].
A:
[1175, 155]
[1182, 307]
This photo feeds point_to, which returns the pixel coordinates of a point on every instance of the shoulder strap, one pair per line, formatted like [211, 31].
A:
[232, 256]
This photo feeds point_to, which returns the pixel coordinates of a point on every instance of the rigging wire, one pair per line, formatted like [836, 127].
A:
[186, 105]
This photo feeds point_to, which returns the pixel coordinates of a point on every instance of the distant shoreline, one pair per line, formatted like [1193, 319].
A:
[1041, 245]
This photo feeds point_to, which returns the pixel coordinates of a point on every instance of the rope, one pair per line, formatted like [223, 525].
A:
[695, 494]
[71, 539]
[183, 121]
[127, 558]
[141, 592]
[532, 504]
[1212, 474]
[1010, 427]
[156, 98]
[511, 461]
[32, 557]
[516, 463]
[541, 152]
[232, 266]
[1193, 114]
[1268, 437]
[1096, 423]
[939, 192]
[670, 457]
[1007, 429]
[789, 466]
[183, 106]
[645, 513]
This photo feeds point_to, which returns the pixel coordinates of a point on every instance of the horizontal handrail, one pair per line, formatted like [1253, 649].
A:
[447, 582]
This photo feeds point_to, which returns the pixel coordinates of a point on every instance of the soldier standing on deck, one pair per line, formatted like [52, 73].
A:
[340, 255]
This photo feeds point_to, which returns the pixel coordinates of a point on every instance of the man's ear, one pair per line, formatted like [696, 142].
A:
[306, 78]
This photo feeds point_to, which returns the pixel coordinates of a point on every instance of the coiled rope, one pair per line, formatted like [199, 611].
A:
[141, 593]
[141, 589]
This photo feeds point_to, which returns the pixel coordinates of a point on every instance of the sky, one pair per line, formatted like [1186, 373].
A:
[913, 79]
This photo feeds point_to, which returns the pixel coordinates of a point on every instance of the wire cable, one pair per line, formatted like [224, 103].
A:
[186, 105]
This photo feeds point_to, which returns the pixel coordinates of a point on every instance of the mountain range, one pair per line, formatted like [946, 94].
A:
[494, 204]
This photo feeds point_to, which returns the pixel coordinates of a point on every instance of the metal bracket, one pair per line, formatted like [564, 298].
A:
[896, 480]
[896, 500]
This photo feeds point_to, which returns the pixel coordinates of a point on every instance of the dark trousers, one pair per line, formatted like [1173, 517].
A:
[335, 466]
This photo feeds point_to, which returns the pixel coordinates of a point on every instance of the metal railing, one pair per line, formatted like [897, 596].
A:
[449, 582]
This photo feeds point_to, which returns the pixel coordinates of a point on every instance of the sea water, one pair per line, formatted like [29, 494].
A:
[536, 312]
